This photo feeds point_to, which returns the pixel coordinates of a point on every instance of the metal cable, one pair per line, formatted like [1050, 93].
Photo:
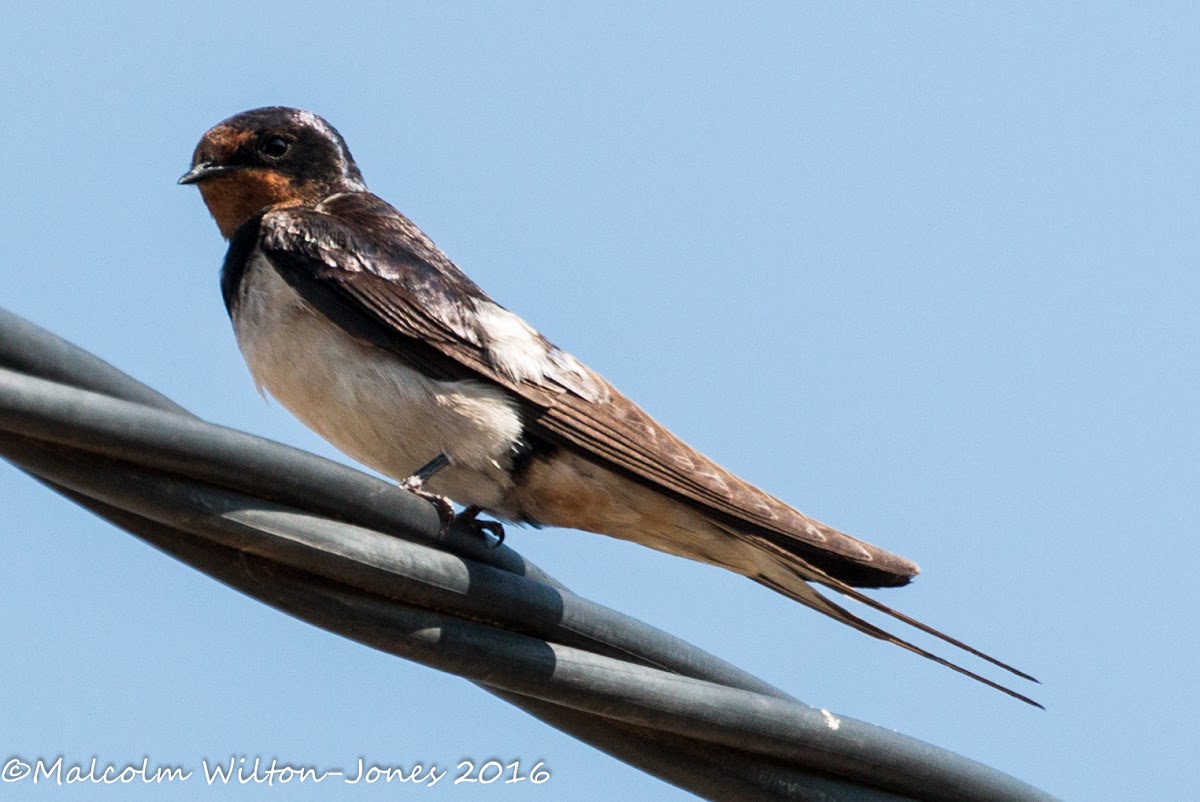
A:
[359, 557]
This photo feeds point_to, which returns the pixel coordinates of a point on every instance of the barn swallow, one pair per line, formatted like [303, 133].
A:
[355, 321]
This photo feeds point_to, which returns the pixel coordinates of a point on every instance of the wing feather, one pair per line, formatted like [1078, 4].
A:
[369, 268]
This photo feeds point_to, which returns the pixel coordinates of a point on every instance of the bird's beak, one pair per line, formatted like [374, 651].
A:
[202, 172]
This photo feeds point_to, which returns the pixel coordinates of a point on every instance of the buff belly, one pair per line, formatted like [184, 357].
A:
[369, 403]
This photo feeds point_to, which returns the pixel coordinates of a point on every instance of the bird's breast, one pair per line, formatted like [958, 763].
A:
[367, 401]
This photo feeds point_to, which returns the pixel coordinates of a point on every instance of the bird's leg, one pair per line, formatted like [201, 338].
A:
[416, 483]
[470, 517]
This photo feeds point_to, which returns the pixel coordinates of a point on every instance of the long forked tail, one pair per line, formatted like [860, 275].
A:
[792, 579]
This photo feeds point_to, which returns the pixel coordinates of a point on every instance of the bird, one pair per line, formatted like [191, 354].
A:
[355, 321]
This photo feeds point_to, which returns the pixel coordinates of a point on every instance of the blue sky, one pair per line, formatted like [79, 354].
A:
[927, 273]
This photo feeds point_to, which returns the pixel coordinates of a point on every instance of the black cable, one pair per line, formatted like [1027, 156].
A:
[364, 559]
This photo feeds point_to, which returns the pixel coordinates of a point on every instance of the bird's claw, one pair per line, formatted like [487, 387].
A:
[445, 510]
[470, 518]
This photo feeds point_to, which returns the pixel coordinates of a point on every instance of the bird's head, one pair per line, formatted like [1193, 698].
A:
[269, 158]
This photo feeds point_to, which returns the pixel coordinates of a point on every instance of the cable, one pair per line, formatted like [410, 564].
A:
[361, 558]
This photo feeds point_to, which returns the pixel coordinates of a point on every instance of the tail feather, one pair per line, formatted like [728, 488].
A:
[859, 596]
[835, 611]
[790, 575]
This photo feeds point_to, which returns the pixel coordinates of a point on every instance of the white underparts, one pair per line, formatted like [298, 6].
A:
[369, 403]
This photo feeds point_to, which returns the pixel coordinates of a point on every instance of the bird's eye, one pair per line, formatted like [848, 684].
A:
[275, 147]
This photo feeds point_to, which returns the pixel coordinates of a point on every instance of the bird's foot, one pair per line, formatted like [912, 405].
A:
[445, 510]
[470, 518]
